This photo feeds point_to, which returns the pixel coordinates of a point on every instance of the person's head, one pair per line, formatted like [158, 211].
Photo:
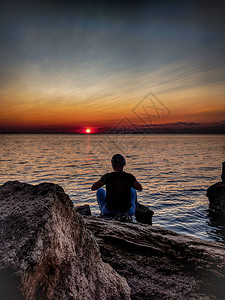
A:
[118, 162]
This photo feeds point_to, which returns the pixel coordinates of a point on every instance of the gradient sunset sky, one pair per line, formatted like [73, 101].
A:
[69, 65]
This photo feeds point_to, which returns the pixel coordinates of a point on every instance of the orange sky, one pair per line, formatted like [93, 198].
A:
[194, 105]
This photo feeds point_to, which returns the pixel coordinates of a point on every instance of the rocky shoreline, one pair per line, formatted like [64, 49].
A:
[161, 264]
[49, 251]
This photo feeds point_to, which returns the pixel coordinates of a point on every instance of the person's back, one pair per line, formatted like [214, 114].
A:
[120, 195]
[118, 190]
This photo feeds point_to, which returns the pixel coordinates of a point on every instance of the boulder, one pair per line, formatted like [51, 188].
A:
[144, 214]
[216, 195]
[223, 172]
[46, 252]
[216, 212]
[161, 264]
[83, 210]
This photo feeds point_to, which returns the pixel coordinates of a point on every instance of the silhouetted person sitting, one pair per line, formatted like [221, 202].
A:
[120, 197]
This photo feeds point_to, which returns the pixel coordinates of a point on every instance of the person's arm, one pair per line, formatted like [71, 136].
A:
[97, 185]
[137, 185]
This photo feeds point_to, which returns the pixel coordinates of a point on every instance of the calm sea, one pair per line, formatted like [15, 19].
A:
[175, 171]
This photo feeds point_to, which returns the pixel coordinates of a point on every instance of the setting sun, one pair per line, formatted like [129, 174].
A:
[88, 130]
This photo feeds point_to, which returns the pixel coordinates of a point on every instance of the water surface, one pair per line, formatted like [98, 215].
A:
[175, 171]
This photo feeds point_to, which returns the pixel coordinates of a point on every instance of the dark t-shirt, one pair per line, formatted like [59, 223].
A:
[118, 190]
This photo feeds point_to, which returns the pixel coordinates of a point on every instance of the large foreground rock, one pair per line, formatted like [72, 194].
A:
[46, 251]
[161, 264]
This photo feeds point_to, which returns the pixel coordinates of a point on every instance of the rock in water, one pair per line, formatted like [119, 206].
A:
[216, 195]
[46, 252]
[223, 172]
[144, 214]
[83, 210]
